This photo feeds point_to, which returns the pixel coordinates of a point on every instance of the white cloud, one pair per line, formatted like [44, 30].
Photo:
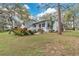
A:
[41, 14]
[27, 7]
[49, 10]
[31, 17]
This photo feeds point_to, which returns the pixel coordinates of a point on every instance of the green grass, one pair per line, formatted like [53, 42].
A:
[72, 33]
[42, 44]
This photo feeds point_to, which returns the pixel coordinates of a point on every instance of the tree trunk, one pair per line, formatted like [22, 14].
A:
[73, 23]
[59, 20]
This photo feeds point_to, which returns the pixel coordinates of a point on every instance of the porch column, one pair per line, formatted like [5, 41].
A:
[46, 26]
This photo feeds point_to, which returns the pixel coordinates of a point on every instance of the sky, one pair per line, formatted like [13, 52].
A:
[39, 1]
[33, 8]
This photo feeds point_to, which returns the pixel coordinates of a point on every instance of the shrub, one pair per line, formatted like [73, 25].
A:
[31, 32]
[41, 30]
[22, 32]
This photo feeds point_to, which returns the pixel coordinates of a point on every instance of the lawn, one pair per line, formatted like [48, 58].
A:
[47, 44]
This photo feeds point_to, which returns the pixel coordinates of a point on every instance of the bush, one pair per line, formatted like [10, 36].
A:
[22, 32]
[31, 32]
[41, 30]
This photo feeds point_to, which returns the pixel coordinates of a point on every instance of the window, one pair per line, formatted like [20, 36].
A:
[40, 25]
[34, 25]
[43, 25]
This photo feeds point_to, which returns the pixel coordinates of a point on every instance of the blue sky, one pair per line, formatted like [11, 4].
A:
[33, 8]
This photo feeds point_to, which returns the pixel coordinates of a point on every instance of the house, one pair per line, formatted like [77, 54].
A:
[47, 21]
[46, 25]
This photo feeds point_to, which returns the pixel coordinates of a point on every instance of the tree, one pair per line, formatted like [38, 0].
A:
[10, 10]
[59, 20]
[70, 14]
[21, 9]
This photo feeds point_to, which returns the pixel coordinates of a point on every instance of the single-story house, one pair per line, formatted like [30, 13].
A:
[46, 25]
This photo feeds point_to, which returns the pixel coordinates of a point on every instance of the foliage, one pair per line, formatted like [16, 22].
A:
[9, 10]
[20, 9]
[22, 32]
[41, 30]
[68, 15]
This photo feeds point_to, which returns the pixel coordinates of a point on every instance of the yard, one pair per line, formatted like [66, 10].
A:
[48, 44]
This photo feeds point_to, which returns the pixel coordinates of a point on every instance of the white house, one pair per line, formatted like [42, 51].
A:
[46, 25]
